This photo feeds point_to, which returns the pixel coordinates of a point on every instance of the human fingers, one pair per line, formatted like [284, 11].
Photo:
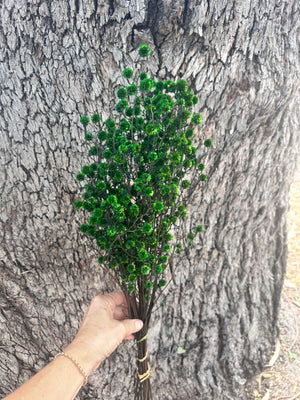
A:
[114, 299]
[129, 337]
[121, 312]
[131, 326]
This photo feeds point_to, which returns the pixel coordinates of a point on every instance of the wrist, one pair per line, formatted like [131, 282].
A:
[75, 371]
[79, 352]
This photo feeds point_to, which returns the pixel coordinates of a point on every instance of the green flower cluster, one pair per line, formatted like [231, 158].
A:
[136, 176]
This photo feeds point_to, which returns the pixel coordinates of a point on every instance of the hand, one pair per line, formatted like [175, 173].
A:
[103, 328]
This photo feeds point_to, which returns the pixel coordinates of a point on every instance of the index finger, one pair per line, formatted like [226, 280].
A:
[116, 299]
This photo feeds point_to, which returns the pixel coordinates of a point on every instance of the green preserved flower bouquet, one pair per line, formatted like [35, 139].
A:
[134, 191]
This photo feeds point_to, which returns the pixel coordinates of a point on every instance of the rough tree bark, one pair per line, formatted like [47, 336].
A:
[62, 59]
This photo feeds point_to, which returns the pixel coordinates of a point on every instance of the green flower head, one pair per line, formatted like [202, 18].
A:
[131, 89]
[145, 85]
[125, 125]
[185, 184]
[169, 86]
[190, 235]
[152, 156]
[131, 288]
[112, 199]
[110, 124]
[187, 163]
[199, 228]
[159, 85]
[145, 269]
[111, 231]
[98, 212]
[142, 254]
[163, 259]
[167, 248]
[161, 283]
[196, 119]
[107, 154]
[85, 169]
[121, 93]
[151, 258]
[148, 191]
[134, 210]
[103, 166]
[84, 120]
[92, 221]
[208, 143]
[93, 151]
[91, 231]
[127, 73]
[144, 51]
[80, 177]
[132, 278]
[129, 112]
[151, 128]
[146, 177]
[78, 204]
[148, 285]
[168, 237]
[147, 228]
[88, 137]
[178, 249]
[83, 228]
[181, 85]
[189, 133]
[158, 206]
[121, 106]
[93, 166]
[102, 136]
[158, 269]
[130, 268]
[119, 159]
[143, 75]
[96, 118]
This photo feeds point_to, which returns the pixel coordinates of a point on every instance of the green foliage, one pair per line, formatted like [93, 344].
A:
[133, 188]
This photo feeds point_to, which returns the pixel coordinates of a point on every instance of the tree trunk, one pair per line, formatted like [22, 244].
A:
[63, 59]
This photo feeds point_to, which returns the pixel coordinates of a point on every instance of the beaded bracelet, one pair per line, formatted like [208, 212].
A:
[76, 363]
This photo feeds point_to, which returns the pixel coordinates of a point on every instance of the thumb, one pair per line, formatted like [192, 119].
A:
[132, 326]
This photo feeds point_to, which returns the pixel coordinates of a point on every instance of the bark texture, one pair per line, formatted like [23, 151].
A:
[62, 59]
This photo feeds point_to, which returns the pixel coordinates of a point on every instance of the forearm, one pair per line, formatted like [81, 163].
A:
[59, 380]
[102, 330]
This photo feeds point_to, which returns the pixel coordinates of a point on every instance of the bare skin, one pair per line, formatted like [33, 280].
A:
[104, 327]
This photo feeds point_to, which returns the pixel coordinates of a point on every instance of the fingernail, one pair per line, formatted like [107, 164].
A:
[139, 324]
